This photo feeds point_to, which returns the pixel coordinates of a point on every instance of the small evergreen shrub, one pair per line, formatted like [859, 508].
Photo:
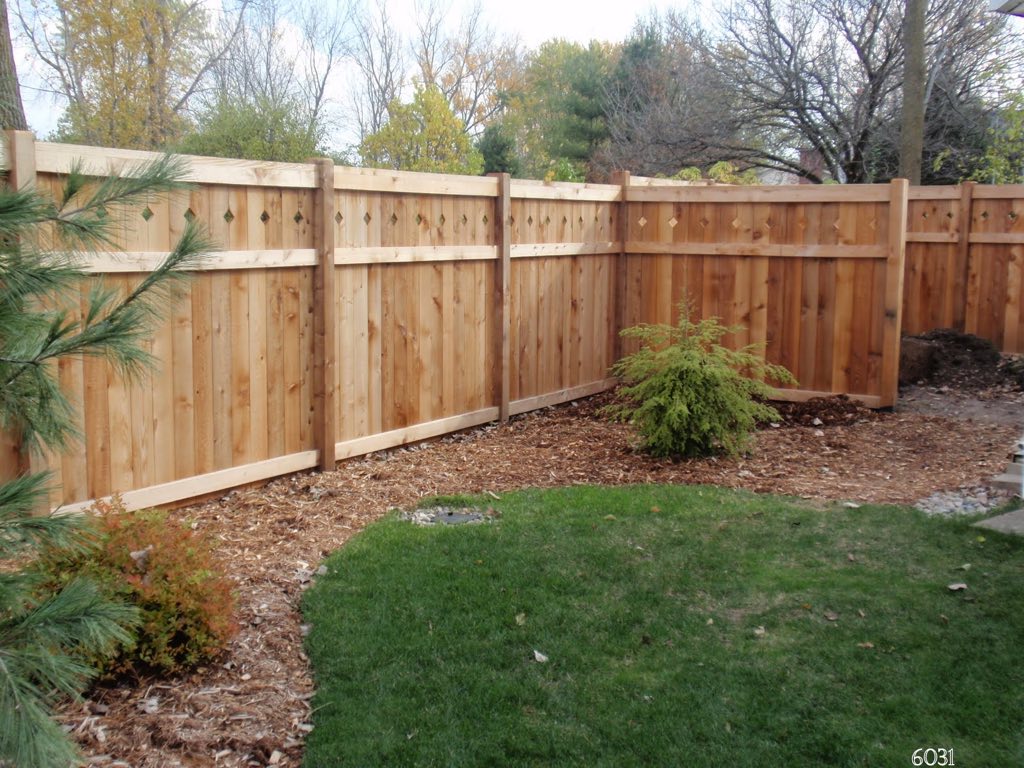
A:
[687, 394]
[168, 572]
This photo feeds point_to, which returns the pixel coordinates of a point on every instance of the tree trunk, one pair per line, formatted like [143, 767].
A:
[912, 127]
[12, 111]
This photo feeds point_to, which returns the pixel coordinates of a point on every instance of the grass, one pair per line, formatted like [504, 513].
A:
[682, 626]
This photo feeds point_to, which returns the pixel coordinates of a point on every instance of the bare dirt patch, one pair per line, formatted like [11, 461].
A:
[253, 707]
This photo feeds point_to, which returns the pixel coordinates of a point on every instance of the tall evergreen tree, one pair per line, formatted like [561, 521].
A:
[44, 637]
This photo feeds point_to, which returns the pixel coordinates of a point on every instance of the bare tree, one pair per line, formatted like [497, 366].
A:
[12, 110]
[912, 127]
[284, 55]
[473, 66]
[782, 81]
[378, 53]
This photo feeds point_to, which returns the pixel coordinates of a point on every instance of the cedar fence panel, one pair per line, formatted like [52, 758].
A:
[353, 310]
[811, 273]
[965, 257]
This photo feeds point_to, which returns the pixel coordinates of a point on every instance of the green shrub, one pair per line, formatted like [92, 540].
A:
[688, 395]
[168, 572]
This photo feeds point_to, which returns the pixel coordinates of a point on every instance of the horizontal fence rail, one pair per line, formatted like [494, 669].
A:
[354, 310]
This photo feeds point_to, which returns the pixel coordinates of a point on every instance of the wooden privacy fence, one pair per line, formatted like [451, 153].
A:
[353, 310]
[965, 262]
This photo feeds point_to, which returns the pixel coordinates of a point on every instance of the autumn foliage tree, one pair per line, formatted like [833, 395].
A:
[127, 68]
[422, 136]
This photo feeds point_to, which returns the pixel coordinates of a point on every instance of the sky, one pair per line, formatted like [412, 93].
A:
[533, 21]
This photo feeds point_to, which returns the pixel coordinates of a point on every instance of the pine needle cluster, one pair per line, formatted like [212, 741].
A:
[690, 396]
[44, 636]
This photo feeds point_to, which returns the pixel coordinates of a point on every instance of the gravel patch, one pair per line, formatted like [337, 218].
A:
[963, 501]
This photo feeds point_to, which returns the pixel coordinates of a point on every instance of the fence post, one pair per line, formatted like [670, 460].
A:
[621, 274]
[502, 285]
[21, 174]
[961, 293]
[324, 330]
[895, 260]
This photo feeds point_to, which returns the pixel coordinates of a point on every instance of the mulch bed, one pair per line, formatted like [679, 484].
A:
[253, 706]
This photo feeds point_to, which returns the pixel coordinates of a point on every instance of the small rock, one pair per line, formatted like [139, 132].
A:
[817, 422]
[150, 706]
[818, 433]
[957, 587]
[539, 657]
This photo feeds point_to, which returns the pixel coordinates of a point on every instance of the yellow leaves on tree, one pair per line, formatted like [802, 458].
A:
[422, 136]
[131, 66]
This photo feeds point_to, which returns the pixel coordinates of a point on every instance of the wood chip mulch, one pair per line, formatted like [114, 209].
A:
[253, 707]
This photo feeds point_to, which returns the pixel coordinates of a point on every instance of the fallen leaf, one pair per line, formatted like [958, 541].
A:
[806, 606]
[655, 510]
[944, 618]
[759, 631]
[851, 505]
[710, 622]
[867, 646]
[609, 517]
[539, 657]
[275, 758]
[850, 557]
[862, 614]
[520, 619]
[957, 587]
[831, 615]
[981, 539]
[964, 567]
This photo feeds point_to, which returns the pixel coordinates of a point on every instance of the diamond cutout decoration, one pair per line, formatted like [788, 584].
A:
[949, 214]
[1013, 215]
[147, 214]
[190, 215]
[367, 217]
[703, 222]
[984, 215]
[642, 221]
[297, 218]
[547, 220]
[419, 219]
[672, 222]
[565, 219]
[530, 221]
[736, 223]
[338, 217]
[441, 220]
[229, 216]
[465, 219]
[486, 220]
[394, 218]
[264, 217]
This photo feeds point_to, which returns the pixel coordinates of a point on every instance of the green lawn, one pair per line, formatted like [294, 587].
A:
[682, 626]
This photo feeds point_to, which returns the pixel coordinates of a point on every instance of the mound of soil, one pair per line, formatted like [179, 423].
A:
[824, 412]
[961, 361]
